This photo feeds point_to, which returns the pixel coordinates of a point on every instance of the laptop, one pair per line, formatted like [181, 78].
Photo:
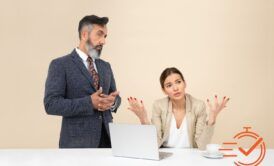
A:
[135, 141]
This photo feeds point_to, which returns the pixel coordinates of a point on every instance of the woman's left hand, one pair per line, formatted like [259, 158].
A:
[216, 108]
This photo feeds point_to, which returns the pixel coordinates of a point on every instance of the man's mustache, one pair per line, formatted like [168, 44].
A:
[99, 47]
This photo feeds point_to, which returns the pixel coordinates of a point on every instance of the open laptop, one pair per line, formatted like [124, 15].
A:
[135, 141]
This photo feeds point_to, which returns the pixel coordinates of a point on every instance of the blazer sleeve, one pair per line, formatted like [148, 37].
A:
[203, 132]
[118, 100]
[55, 102]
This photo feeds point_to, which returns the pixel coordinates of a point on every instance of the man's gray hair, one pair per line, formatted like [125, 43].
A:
[87, 26]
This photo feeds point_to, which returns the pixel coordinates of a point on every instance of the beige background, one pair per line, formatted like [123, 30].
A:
[222, 47]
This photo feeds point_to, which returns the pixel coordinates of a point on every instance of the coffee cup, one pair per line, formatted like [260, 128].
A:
[213, 149]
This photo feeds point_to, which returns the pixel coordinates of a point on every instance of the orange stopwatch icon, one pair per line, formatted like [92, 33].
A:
[258, 143]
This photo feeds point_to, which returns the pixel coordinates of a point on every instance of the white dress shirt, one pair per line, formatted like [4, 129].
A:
[178, 138]
[84, 58]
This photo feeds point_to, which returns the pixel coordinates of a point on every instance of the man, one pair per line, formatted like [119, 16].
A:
[81, 88]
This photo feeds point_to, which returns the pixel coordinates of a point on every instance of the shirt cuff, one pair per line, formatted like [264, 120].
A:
[114, 106]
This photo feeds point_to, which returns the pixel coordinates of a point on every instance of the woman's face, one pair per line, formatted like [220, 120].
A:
[174, 87]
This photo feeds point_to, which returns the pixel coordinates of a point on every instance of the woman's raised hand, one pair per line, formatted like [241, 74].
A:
[139, 109]
[216, 108]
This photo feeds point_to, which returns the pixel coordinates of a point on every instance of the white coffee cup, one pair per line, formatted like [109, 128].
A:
[213, 148]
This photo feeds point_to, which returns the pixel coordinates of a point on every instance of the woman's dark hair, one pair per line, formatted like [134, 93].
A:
[167, 72]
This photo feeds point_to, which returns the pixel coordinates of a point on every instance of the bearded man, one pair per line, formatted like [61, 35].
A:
[81, 88]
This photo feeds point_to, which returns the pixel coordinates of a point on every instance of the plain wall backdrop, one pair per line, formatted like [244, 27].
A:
[222, 47]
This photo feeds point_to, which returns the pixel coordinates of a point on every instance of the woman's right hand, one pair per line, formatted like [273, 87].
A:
[139, 109]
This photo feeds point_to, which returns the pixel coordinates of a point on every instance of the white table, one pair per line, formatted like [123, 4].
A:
[93, 157]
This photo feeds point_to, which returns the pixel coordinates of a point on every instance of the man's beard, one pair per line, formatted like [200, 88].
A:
[94, 52]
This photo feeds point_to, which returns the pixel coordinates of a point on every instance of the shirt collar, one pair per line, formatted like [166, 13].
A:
[83, 55]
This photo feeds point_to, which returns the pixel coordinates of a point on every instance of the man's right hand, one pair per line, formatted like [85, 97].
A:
[100, 103]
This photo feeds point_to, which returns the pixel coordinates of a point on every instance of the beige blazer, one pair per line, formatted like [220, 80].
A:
[199, 132]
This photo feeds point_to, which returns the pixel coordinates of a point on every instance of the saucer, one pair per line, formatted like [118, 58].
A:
[213, 156]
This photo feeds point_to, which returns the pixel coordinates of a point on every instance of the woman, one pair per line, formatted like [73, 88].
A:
[180, 119]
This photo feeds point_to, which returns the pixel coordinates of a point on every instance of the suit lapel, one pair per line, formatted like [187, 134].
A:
[168, 115]
[79, 63]
[189, 119]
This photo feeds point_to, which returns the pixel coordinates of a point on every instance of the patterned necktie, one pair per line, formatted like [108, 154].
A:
[93, 73]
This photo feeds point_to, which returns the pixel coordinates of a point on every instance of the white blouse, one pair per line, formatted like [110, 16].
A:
[178, 138]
